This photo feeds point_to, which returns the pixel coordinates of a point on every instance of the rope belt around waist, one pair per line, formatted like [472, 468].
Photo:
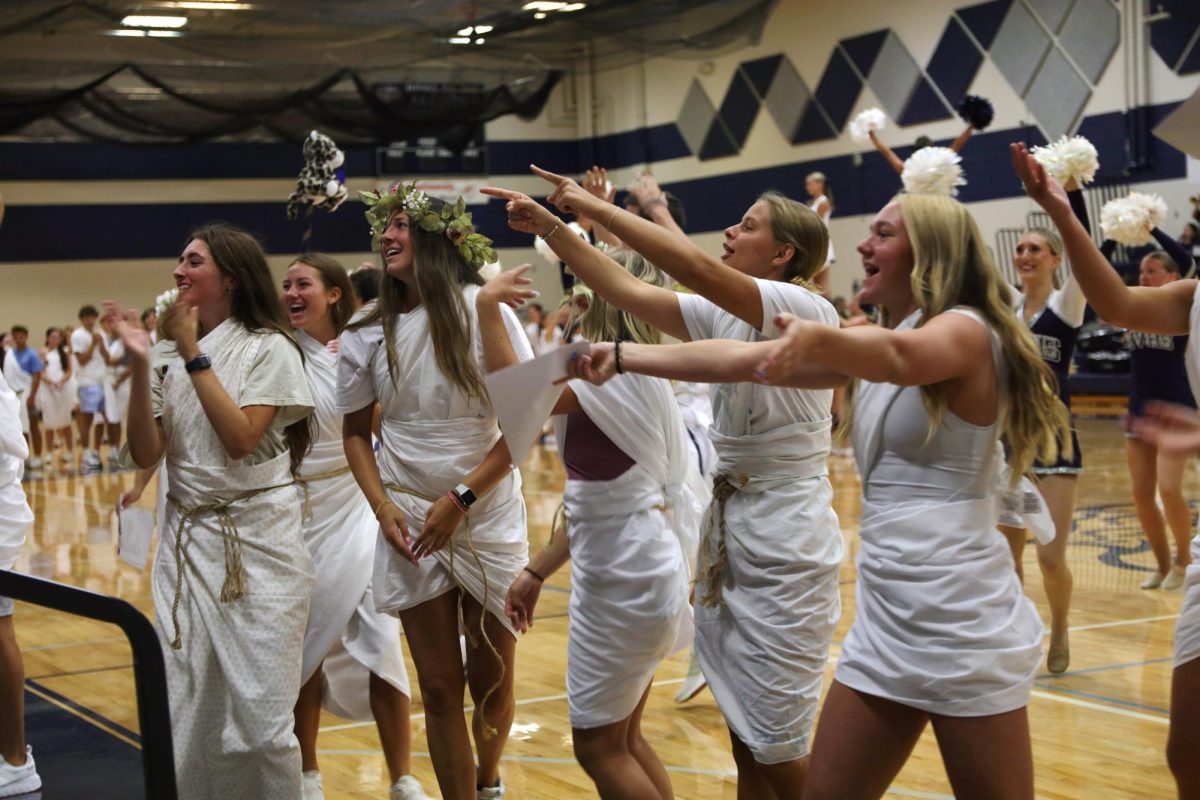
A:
[488, 730]
[234, 587]
[305, 480]
[725, 485]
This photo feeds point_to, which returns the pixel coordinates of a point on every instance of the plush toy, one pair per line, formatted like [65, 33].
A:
[322, 182]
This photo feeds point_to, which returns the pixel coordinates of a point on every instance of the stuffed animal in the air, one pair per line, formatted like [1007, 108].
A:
[322, 182]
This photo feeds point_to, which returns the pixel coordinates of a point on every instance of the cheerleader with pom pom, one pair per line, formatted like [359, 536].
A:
[1170, 310]
[821, 201]
[1158, 374]
[976, 111]
[1054, 314]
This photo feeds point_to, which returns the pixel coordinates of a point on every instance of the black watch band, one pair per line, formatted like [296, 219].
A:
[198, 364]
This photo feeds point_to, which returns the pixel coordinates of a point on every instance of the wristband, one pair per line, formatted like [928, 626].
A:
[617, 357]
[534, 574]
[553, 231]
[198, 364]
[379, 507]
[457, 503]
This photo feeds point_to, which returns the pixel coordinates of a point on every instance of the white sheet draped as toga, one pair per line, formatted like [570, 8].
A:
[942, 623]
[235, 676]
[764, 647]
[344, 629]
[433, 436]
[632, 541]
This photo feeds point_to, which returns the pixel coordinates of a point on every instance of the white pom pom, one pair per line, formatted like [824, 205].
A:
[545, 251]
[165, 301]
[1128, 220]
[872, 119]
[489, 271]
[933, 170]
[1065, 158]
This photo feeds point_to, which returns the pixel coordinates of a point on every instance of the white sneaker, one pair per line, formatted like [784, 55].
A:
[35, 463]
[491, 792]
[19, 780]
[310, 786]
[407, 788]
[1174, 578]
[693, 682]
[91, 461]
[1154, 581]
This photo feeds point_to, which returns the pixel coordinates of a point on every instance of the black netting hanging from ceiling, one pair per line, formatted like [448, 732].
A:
[364, 71]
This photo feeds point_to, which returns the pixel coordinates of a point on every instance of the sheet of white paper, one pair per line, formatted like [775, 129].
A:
[1181, 128]
[524, 394]
[135, 529]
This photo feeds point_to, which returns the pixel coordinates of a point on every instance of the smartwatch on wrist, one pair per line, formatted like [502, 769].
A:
[198, 364]
[465, 495]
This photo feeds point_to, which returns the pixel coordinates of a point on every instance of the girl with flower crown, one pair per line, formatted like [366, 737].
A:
[448, 501]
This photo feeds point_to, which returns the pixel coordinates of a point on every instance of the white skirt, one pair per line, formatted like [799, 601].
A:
[764, 649]
[628, 598]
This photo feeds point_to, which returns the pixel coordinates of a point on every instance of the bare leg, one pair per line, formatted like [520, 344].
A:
[431, 629]
[35, 435]
[483, 673]
[85, 428]
[1016, 543]
[114, 439]
[751, 784]
[1143, 480]
[12, 695]
[1179, 516]
[644, 753]
[989, 758]
[390, 708]
[605, 756]
[861, 743]
[786, 778]
[308, 720]
[1183, 741]
[1059, 494]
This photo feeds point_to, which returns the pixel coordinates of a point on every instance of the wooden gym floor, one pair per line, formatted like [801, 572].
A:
[1098, 730]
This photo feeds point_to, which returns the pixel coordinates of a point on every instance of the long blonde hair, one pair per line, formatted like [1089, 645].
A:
[441, 273]
[952, 267]
[604, 322]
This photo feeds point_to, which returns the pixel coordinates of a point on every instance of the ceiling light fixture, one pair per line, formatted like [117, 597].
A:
[127, 32]
[573, 7]
[540, 15]
[460, 40]
[165, 34]
[481, 29]
[543, 5]
[467, 31]
[212, 5]
[151, 21]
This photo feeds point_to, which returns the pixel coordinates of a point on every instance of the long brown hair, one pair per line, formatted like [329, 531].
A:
[255, 303]
[333, 275]
[441, 273]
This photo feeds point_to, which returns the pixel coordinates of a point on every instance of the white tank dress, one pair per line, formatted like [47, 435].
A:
[942, 622]
[1187, 627]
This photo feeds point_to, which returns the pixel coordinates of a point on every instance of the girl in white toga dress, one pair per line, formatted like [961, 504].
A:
[943, 632]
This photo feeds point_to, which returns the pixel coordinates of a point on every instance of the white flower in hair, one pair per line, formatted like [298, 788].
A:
[1128, 220]
[165, 301]
[933, 170]
[871, 119]
[1065, 158]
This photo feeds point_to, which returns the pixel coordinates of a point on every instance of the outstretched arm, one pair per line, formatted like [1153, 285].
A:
[887, 152]
[723, 285]
[1164, 309]
[145, 433]
[948, 346]
[958, 144]
[607, 278]
[708, 361]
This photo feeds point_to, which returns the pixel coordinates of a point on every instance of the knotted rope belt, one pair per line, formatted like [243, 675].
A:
[234, 587]
[725, 485]
[488, 730]
[305, 480]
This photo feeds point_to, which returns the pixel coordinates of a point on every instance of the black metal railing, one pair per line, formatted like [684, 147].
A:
[149, 670]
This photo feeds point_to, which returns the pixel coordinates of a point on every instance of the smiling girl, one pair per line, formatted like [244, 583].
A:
[232, 577]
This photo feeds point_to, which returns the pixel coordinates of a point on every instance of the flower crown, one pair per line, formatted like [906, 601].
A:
[453, 220]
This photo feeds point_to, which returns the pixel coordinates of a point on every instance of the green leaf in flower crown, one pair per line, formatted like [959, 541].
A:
[460, 206]
[430, 222]
[465, 251]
